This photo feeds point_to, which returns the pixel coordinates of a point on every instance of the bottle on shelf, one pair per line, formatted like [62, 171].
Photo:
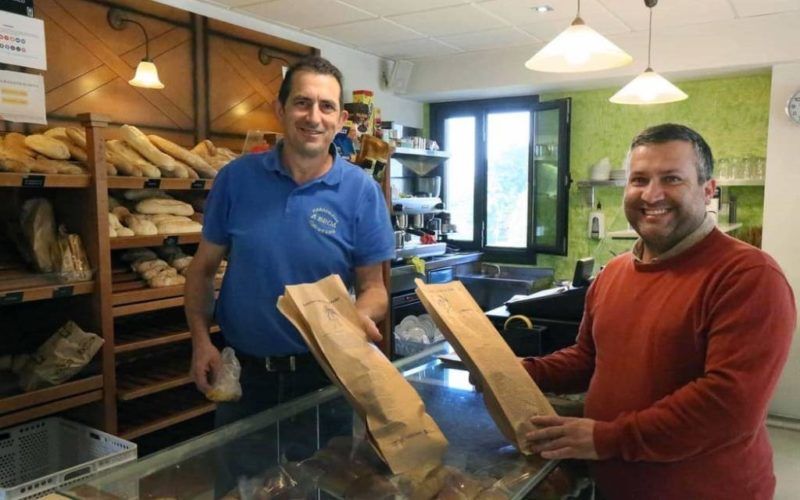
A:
[597, 223]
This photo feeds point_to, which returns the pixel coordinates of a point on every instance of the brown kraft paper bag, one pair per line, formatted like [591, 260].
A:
[510, 394]
[403, 434]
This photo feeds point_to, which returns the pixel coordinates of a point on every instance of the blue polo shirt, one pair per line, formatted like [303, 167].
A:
[280, 233]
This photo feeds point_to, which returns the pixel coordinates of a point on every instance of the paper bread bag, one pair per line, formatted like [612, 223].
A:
[403, 434]
[511, 396]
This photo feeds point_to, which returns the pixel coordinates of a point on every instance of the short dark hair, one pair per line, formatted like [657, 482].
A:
[314, 64]
[666, 132]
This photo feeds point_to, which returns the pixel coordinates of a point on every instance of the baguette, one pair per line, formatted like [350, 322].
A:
[49, 166]
[47, 146]
[127, 154]
[143, 194]
[181, 171]
[184, 155]
[142, 144]
[122, 165]
[204, 149]
[153, 206]
[181, 263]
[159, 218]
[140, 225]
[192, 172]
[179, 227]
[76, 152]
[77, 136]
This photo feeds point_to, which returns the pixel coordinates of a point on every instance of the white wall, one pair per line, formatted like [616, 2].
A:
[781, 237]
[360, 70]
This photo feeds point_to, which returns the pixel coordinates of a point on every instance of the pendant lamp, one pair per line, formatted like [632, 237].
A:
[578, 48]
[146, 75]
[649, 87]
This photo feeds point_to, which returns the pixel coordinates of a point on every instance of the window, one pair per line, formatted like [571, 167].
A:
[506, 182]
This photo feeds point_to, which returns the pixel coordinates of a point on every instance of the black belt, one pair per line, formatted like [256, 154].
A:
[291, 363]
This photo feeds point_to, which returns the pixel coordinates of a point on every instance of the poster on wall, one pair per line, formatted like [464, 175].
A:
[22, 41]
[22, 97]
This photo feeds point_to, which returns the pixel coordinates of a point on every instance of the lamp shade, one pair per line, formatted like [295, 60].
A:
[578, 48]
[146, 76]
[648, 88]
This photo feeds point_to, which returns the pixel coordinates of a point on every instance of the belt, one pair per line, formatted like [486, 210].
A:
[291, 363]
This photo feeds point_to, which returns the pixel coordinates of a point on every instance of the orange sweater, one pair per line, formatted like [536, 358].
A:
[679, 360]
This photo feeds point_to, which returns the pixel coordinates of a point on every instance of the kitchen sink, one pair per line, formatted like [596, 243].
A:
[491, 285]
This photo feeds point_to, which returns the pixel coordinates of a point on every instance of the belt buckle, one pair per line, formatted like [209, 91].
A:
[271, 366]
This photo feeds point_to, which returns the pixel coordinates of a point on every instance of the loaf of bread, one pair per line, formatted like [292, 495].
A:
[161, 206]
[165, 271]
[127, 155]
[137, 254]
[48, 166]
[77, 136]
[162, 281]
[121, 164]
[59, 133]
[14, 160]
[140, 225]
[15, 141]
[192, 172]
[142, 144]
[76, 152]
[204, 149]
[181, 263]
[159, 218]
[184, 155]
[142, 265]
[47, 146]
[179, 227]
[181, 171]
[120, 212]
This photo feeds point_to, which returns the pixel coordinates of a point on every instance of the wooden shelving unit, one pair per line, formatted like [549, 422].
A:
[161, 410]
[153, 374]
[116, 182]
[33, 287]
[12, 179]
[155, 240]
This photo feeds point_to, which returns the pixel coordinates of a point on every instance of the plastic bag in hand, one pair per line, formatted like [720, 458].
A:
[226, 385]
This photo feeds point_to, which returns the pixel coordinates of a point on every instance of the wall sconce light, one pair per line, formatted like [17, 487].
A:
[578, 48]
[265, 58]
[649, 87]
[146, 72]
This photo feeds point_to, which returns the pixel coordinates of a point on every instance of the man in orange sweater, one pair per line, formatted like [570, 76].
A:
[680, 347]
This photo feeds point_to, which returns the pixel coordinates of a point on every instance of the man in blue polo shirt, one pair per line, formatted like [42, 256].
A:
[295, 214]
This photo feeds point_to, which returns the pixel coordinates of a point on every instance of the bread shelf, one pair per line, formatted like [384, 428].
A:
[19, 402]
[49, 408]
[151, 376]
[119, 182]
[13, 179]
[129, 341]
[155, 240]
[29, 287]
[149, 414]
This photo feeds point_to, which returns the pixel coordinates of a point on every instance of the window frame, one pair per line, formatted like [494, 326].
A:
[480, 109]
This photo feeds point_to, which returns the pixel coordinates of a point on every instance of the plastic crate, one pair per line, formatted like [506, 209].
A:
[38, 457]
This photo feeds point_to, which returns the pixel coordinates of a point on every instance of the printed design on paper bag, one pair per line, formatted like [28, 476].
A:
[323, 220]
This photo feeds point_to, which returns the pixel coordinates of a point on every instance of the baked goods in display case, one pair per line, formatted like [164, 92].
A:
[147, 212]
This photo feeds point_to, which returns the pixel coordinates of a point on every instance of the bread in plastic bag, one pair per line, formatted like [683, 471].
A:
[60, 358]
[226, 386]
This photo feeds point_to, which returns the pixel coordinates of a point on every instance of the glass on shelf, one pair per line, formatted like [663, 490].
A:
[258, 141]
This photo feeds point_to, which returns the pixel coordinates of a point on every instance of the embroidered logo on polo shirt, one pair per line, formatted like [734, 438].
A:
[323, 220]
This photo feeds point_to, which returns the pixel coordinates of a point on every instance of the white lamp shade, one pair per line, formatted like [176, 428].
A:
[648, 88]
[146, 76]
[578, 48]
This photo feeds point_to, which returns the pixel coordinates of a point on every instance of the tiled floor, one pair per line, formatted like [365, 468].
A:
[786, 444]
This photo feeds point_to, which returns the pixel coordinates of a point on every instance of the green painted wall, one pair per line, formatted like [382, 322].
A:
[731, 113]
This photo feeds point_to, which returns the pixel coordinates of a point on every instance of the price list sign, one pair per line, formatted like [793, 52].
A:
[22, 41]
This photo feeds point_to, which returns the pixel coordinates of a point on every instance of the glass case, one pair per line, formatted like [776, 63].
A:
[258, 457]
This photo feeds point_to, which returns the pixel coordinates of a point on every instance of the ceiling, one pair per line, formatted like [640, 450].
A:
[415, 29]
[448, 39]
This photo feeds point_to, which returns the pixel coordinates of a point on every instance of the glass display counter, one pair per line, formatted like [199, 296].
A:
[266, 448]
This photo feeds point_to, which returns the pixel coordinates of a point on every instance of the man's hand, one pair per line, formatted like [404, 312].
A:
[206, 363]
[563, 437]
[370, 327]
